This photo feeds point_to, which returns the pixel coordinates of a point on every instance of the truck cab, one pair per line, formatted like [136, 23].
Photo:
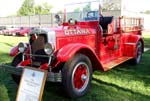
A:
[71, 51]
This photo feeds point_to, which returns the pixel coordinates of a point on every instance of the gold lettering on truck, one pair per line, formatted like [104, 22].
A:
[70, 32]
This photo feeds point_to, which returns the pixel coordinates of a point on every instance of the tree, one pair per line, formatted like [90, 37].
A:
[87, 7]
[44, 8]
[146, 12]
[111, 5]
[27, 8]
[60, 12]
[77, 10]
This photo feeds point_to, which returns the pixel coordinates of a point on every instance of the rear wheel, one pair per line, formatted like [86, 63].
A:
[77, 75]
[15, 62]
[138, 57]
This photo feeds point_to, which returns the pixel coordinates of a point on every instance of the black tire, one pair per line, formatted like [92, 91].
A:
[139, 51]
[5, 34]
[77, 76]
[16, 60]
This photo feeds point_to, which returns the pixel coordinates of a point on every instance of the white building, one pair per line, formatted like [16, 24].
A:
[130, 8]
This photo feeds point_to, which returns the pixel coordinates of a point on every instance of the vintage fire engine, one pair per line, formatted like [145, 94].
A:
[72, 51]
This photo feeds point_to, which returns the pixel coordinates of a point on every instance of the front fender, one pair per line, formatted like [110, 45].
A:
[14, 51]
[66, 52]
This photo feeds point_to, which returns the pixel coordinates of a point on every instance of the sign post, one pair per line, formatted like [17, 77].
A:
[31, 85]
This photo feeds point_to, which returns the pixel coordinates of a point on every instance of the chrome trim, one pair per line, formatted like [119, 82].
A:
[37, 55]
[49, 61]
[23, 46]
[54, 77]
[23, 57]
[51, 36]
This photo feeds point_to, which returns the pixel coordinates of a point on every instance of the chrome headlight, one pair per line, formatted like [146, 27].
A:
[22, 47]
[49, 48]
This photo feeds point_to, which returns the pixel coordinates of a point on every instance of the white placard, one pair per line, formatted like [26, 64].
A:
[31, 85]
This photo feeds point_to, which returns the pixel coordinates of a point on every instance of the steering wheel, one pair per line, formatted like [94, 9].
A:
[72, 21]
[88, 15]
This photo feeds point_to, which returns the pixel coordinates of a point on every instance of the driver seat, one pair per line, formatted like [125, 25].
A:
[104, 21]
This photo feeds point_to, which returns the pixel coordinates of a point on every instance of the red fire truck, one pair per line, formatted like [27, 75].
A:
[72, 51]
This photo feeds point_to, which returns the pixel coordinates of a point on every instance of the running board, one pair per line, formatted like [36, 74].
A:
[115, 62]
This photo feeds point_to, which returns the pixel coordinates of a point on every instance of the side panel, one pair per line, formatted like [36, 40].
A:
[129, 49]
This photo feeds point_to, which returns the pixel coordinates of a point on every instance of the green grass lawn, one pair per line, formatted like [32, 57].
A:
[123, 83]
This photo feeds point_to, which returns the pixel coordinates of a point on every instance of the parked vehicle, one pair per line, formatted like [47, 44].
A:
[2, 28]
[10, 31]
[23, 31]
[1, 32]
[72, 51]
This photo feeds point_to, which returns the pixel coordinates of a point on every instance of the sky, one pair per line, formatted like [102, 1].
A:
[9, 7]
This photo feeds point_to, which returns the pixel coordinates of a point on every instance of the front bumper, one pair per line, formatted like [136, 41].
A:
[53, 77]
[11, 69]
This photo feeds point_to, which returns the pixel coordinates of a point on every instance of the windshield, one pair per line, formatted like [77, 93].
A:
[83, 11]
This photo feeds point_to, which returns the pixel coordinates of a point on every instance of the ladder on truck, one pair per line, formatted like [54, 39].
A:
[128, 24]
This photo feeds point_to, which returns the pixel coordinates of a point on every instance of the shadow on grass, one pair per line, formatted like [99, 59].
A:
[5, 58]
[147, 42]
[119, 88]
[7, 44]
[100, 90]
[9, 86]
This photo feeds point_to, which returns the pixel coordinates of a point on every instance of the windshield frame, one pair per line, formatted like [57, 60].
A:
[80, 14]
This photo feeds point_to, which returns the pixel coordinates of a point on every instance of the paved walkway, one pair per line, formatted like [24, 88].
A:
[146, 49]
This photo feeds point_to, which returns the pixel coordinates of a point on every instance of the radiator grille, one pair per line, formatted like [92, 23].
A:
[37, 48]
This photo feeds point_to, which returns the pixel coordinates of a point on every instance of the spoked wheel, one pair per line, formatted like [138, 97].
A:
[80, 77]
[139, 52]
[77, 75]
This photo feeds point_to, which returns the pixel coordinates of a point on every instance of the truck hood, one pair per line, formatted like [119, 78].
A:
[62, 31]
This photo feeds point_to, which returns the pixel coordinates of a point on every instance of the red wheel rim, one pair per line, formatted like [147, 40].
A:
[80, 77]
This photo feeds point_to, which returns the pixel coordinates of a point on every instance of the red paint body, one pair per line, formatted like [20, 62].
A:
[14, 51]
[72, 50]
[116, 44]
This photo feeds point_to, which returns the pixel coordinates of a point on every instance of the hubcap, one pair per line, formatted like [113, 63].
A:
[83, 77]
[80, 77]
